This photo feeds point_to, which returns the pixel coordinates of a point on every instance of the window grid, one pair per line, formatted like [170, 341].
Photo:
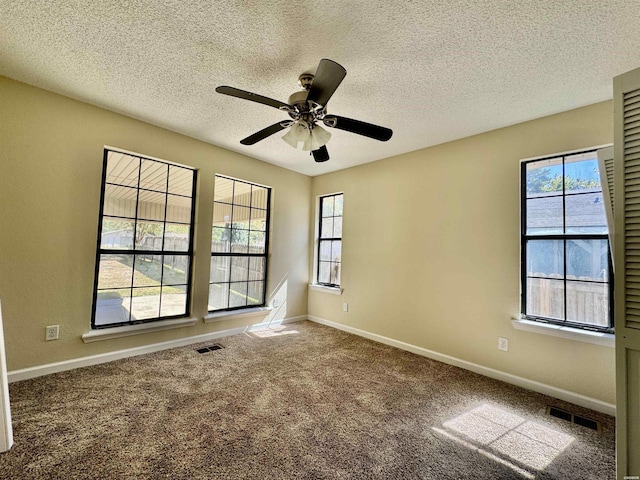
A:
[329, 271]
[564, 238]
[245, 273]
[146, 302]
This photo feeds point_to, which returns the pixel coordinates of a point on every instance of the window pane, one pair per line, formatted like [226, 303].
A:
[120, 201]
[259, 223]
[337, 227]
[256, 242]
[153, 175]
[117, 233]
[122, 169]
[255, 293]
[585, 213]
[337, 210]
[335, 273]
[221, 214]
[145, 303]
[220, 239]
[115, 271]
[336, 250]
[239, 241]
[149, 235]
[218, 296]
[175, 270]
[242, 194]
[223, 190]
[147, 270]
[239, 269]
[588, 303]
[180, 181]
[326, 228]
[543, 177]
[176, 237]
[324, 272]
[259, 197]
[113, 306]
[545, 258]
[544, 215]
[587, 260]
[174, 301]
[325, 250]
[545, 298]
[238, 294]
[327, 206]
[241, 217]
[178, 209]
[151, 205]
[219, 271]
[581, 173]
[256, 268]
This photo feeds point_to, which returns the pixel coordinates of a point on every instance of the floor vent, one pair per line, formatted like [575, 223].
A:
[578, 420]
[210, 348]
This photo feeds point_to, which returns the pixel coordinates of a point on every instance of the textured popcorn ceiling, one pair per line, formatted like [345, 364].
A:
[433, 71]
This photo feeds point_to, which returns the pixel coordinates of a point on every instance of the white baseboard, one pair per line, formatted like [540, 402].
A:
[572, 397]
[40, 370]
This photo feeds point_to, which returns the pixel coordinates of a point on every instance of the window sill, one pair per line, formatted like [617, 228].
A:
[232, 315]
[128, 330]
[321, 288]
[597, 338]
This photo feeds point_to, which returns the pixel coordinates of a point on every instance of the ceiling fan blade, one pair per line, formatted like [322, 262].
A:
[321, 155]
[356, 126]
[262, 134]
[254, 97]
[329, 75]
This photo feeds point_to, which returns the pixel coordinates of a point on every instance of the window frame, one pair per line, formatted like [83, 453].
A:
[565, 238]
[189, 253]
[264, 255]
[320, 240]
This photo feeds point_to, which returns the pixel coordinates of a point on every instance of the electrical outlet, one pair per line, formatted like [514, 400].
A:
[276, 302]
[345, 307]
[52, 332]
[503, 344]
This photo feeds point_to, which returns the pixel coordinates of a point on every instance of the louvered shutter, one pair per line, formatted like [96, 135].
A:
[605, 166]
[631, 160]
[626, 98]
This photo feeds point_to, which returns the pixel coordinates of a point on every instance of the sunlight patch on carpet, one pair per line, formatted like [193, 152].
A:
[499, 433]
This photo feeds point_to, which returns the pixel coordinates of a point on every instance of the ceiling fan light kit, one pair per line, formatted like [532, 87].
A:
[306, 108]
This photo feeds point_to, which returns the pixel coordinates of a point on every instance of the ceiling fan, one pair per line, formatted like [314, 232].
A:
[307, 108]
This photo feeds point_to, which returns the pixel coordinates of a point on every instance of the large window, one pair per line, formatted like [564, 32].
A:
[239, 241]
[145, 241]
[566, 262]
[329, 254]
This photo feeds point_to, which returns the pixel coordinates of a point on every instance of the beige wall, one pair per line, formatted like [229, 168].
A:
[431, 251]
[50, 173]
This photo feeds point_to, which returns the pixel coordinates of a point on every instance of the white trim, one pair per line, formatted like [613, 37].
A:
[40, 370]
[576, 398]
[322, 288]
[587, 336]
[128, 330]
[234, 314]
[6, 429]
[563, 154]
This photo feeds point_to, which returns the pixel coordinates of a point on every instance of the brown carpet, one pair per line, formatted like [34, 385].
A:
[297, 401]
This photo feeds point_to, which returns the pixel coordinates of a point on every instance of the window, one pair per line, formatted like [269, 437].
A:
[566, 263]
[330, 240]
[145, 241]
[239, 241]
